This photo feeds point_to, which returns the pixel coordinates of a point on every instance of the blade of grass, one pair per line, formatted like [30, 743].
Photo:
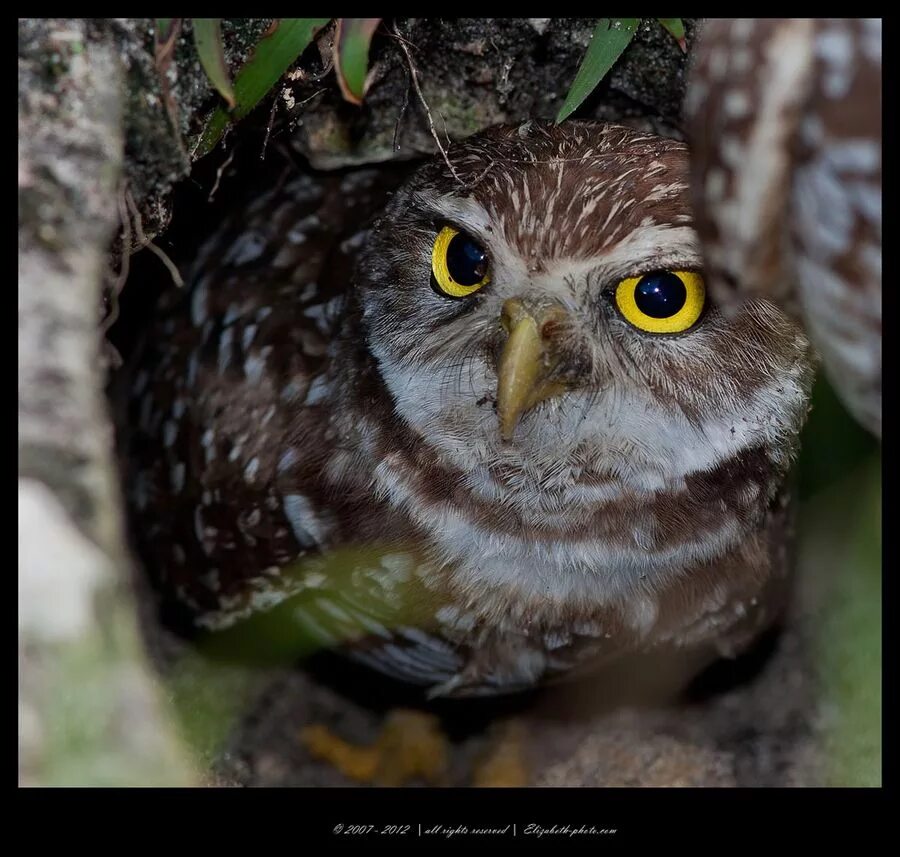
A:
[351, 55]
[271, 58]
[675, 26]
[609, 39]
[208, 39]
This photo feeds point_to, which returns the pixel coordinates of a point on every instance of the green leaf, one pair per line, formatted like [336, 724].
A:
[163, 29]
[609, 39]
[271, 58]
[676, 27]
[208, 39]
[351, 55]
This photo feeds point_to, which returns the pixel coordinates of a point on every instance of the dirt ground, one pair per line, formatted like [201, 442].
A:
[756, 734]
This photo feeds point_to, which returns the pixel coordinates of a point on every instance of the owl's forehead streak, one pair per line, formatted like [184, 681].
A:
[575, 206]
[648, 242]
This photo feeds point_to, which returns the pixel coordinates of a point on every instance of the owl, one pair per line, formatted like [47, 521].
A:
[784, 119]
[478, 433]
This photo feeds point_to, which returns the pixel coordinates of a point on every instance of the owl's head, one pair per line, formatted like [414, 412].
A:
[542, 304]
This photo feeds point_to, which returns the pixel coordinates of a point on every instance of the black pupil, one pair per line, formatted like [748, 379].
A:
[466, 261]
[660, 294]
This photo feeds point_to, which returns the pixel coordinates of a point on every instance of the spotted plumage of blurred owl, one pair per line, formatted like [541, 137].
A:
[480, 433]
[784, 120]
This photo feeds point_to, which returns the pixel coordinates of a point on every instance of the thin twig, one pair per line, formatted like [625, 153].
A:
[146, 242]
[415, 82]
[311, 97]
[401, 38]
[219, 172]
[164, 52]
[262, 154]
[293, 118]
[477, 180]
[444, 123]
[400, 115]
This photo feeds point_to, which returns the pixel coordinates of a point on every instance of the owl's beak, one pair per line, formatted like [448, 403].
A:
[527, 362]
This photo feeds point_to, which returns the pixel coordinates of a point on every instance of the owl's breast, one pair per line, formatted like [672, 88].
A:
[565, 536]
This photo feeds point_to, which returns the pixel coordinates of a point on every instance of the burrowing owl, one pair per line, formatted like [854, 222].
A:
[498, 432]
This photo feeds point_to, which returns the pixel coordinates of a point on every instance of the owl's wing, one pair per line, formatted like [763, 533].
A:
[784, 121]
[226, 411]
[229, 435]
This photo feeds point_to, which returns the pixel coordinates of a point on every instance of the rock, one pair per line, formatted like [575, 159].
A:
[625, 755]
[476, 72]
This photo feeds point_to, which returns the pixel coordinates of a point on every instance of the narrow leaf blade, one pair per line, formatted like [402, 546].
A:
[271, 58]
[609, 40]
[675, 26]
[351, 55]
[210, 50]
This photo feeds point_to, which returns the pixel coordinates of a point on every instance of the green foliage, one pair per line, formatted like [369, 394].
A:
[208, 39]
[675, 26]
[608, 43]
[351, 59]
[289, 37]
[212, 684]
[271, 58]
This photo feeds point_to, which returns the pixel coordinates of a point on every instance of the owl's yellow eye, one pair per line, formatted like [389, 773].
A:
[662, 301]
[459, 264]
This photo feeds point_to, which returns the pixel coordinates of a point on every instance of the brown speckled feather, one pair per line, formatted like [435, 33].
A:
[784, 120]
[229, 358]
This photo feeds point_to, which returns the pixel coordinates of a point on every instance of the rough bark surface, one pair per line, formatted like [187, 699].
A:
[89, 709]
